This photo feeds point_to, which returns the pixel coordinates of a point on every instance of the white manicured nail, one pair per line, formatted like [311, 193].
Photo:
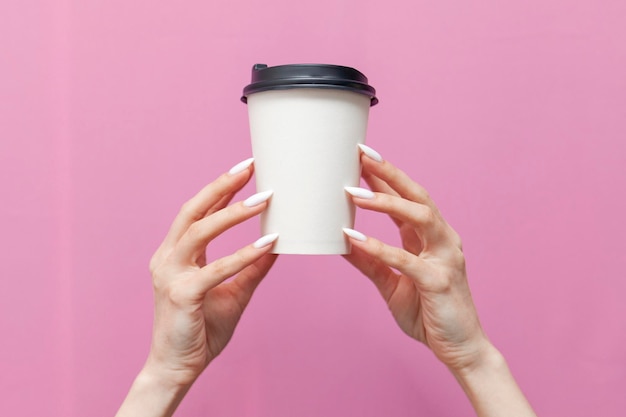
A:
[265, 240]
[360, 192]
[371, 153]
[354, 234]
[258, 198]
[241, 166]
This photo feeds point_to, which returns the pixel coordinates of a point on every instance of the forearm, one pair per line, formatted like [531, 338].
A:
[492, 390]
[151, 396]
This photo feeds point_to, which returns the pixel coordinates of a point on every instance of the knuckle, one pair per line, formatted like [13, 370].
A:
[189, 210]
[457, 241]
[153, 264]
[240, 257]
[378, 248]
[177, 295]
[428, 216]
[162, 279]
[159, 283]
[452, 272]
[177, 292]
[158, 258]
[219, 267]
[404, 257]
[444, 283]
[386, 202]
[458, 258]
[237, 211]
[393, 175]
[393, 256]
[195, 231]
[229, 265]
[401, 258]
[442, 279]
[230, 215]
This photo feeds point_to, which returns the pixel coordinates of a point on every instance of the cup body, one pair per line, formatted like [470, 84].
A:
[304, 142]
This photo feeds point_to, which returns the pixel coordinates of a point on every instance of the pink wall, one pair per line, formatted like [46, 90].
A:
[513, 115]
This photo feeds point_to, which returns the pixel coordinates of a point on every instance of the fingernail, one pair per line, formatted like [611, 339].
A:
[371, 153]
[360, 192]
[265, 240]
[354, 234]
[241, 166]
[258, 198]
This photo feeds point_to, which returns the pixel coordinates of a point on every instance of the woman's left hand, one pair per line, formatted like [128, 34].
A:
[195, 311]
[430, 297]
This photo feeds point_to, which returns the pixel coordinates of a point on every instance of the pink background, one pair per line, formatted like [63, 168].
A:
[511, 113]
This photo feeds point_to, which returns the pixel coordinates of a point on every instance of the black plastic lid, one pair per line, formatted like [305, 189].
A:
[283, 77]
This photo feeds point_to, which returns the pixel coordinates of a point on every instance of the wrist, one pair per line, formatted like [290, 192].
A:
[161, 377]
[157, 380]
[152, 395]
[491, 388]
[488, 359]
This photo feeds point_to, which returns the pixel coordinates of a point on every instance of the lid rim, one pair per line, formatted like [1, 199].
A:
[290, 76]
[368, 93]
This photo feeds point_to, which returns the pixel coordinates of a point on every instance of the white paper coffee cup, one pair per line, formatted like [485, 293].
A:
[306, 122]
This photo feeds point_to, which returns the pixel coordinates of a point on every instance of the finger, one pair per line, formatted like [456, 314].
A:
[213, 194]
[410, 240]
[420, 216]
[217, 271]
[405, 262]
[248, 279]
[220, 204]
[195, 240]
[398, 180]
[376, 184]
[383, 277]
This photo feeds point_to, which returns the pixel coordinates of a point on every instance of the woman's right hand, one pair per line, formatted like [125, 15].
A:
[430, 296]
